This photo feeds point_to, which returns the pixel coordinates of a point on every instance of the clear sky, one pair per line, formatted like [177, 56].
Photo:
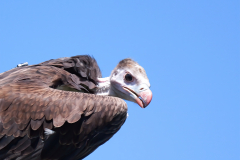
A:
[189, 49]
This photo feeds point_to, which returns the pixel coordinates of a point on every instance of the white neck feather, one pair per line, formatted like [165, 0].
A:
[104, 86]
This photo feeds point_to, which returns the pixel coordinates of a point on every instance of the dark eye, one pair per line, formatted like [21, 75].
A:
[128, 77]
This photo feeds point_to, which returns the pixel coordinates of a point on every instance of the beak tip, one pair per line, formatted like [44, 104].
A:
[146, 97]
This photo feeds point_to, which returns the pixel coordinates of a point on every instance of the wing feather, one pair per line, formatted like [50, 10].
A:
[29, 104]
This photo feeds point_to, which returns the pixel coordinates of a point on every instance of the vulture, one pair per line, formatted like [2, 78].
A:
[63, 109]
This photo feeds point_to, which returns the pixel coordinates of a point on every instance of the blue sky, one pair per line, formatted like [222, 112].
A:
[189, 49]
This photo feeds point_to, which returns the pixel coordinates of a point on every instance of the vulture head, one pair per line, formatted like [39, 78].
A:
[127, 81]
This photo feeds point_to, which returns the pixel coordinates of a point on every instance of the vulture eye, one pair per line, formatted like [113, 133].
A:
[128, 77]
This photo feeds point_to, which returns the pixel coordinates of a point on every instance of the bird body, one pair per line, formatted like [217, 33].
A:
[59, 109]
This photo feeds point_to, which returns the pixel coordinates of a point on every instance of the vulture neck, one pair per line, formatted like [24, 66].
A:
[104, 87]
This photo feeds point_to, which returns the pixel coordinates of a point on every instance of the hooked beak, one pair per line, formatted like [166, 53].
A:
[142, 98]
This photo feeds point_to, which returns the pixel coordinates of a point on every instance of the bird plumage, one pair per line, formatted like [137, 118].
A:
[61, 96]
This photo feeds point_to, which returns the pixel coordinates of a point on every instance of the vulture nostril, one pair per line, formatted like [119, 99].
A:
[141, 89]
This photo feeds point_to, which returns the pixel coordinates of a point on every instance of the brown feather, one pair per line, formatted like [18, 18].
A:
[35, 124]
[30, 102]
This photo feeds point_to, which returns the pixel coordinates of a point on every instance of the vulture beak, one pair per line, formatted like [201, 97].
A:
[142, 96]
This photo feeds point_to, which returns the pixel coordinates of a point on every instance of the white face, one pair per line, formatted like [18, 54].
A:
[132, 85]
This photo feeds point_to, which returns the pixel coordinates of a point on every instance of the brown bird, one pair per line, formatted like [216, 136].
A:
[63, 109]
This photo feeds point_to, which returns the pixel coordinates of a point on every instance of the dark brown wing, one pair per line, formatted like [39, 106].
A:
[29, 104]
[85, 67]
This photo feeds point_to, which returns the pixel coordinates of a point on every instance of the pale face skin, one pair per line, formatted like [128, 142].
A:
[130, 84]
